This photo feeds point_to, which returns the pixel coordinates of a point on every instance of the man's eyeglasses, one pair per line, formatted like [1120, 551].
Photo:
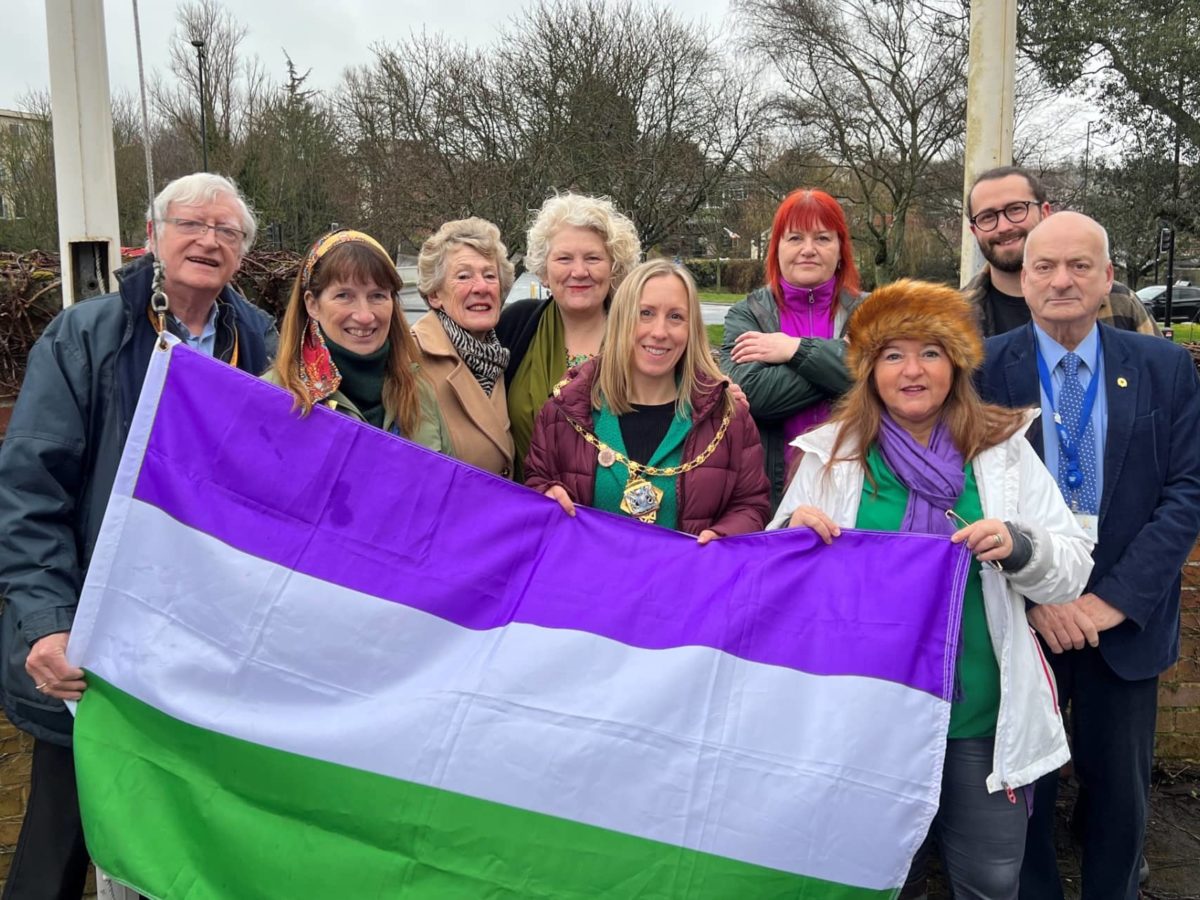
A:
[226, 234]
[1016, 212]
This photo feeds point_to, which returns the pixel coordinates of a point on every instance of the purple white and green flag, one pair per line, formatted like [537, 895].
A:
[324, 662]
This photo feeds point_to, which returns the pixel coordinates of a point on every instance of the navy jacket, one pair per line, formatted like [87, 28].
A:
[59, 459]
[1150, 510]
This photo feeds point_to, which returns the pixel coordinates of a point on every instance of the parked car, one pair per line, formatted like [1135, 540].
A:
[1185, 302]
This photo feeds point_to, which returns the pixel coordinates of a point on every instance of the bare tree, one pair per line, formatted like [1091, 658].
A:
[607, 98]
[880, 87]
[27, 178]
[235, 86]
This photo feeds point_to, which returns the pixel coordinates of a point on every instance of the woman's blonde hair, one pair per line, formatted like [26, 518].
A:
[480, 235]
[356, 262]
[697, 370]
[581, 211]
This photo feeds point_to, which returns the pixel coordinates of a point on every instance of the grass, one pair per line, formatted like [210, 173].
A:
[719, 297]
[1185, 331]
[715, 334]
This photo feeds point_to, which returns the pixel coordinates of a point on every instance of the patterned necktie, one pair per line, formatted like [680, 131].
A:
[1070, 407]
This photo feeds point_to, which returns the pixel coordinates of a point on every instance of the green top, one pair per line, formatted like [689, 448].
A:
[977, 703]
[431, 429]
[543, 367]
[611, 480]
[362, 378]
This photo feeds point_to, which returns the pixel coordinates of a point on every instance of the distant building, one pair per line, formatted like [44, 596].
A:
[14, 134]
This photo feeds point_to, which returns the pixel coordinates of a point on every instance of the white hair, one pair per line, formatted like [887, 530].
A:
[199, 188]
[1101, 228]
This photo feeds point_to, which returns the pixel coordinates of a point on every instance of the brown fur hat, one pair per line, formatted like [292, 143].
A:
[920, 310]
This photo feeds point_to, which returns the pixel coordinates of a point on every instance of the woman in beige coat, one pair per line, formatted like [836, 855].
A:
[463, 273]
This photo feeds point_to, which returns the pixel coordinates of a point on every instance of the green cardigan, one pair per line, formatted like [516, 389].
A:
[431, 430]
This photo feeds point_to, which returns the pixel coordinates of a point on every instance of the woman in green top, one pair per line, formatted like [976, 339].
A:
[581, 248]
[344, 343]
[913, 448]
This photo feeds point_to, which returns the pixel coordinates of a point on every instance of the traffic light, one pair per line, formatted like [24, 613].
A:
[1166, 237]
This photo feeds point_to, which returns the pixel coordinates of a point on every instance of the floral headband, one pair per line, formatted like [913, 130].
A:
[331, 240]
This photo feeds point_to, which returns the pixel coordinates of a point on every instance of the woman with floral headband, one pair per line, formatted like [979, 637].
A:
[344, 343]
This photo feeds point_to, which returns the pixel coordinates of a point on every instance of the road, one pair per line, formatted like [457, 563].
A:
[414, 306]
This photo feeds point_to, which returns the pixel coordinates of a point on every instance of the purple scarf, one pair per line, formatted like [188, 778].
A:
[933, 475]
[806, 312]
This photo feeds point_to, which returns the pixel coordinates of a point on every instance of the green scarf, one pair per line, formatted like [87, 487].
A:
[543, 367]
[362, 378]
[610, 481]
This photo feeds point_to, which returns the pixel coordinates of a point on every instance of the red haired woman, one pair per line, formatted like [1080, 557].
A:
[783, 342]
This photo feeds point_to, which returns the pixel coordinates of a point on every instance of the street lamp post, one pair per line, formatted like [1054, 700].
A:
[201, 56]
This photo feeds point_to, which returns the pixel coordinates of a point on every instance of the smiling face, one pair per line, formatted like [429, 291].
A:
[913, 379]
[1004, 246]
[354, 315]
[660, 333]
[578, 269]
[197, 265]
[808, 257]
[470, 292]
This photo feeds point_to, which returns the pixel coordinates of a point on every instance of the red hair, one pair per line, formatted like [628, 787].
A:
[807, 209]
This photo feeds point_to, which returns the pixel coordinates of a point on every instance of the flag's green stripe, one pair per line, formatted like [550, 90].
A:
[180, 811]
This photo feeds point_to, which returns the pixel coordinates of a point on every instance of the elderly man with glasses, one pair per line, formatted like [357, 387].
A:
[1004, 205]
[57, 466]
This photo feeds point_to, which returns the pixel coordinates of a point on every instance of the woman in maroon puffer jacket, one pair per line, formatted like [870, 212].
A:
[648, 428]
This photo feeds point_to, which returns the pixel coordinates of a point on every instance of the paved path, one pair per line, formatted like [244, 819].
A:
[714, 313]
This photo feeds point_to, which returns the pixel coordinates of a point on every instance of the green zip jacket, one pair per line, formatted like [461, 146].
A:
[431, 431]
[779, 390]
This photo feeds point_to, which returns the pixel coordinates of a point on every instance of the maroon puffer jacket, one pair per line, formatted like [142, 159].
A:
[729, 493]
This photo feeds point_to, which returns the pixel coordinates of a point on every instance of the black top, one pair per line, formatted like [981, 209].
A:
[518, 324]
[644, 429]
[1008, 312]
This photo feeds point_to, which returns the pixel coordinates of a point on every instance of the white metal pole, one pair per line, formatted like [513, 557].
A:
[84, 167]
[991, 76]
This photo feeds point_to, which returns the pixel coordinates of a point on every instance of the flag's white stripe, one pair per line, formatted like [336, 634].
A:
[796, 772]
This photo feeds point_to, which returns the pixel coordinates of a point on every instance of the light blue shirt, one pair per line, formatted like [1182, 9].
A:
[1053, 352]
[206, 341]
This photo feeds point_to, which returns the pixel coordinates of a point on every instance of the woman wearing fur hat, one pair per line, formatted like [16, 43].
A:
[913, 448]
[344, 343]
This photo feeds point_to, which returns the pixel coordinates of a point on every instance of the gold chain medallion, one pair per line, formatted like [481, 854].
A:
[641, 499]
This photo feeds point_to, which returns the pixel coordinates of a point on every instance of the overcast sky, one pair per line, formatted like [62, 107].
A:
[324, 37]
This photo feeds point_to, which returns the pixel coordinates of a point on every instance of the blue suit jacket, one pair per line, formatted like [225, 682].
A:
[1150, 511]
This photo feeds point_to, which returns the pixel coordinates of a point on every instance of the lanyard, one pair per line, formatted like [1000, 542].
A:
[1068, 444]
[233, 358]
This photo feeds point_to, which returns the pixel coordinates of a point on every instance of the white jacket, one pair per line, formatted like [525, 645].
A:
[1014, 486]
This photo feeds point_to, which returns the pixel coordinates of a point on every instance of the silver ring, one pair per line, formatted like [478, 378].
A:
[41, 687]
[999, 539]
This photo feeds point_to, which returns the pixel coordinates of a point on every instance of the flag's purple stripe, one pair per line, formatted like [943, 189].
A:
[349, 504]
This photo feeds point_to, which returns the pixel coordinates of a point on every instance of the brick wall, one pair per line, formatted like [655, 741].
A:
[1179, 693]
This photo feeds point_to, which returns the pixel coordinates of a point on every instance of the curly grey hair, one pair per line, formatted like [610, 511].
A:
[581, 211]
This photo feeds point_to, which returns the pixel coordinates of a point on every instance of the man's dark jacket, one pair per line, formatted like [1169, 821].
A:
[59, 459]
[1150, 508]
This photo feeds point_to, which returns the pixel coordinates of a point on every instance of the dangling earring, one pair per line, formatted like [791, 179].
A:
[318, 373]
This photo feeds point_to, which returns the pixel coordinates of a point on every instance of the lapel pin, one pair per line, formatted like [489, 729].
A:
[1121, 382]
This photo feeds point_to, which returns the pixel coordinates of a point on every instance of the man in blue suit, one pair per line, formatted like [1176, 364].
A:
[1120, 429]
